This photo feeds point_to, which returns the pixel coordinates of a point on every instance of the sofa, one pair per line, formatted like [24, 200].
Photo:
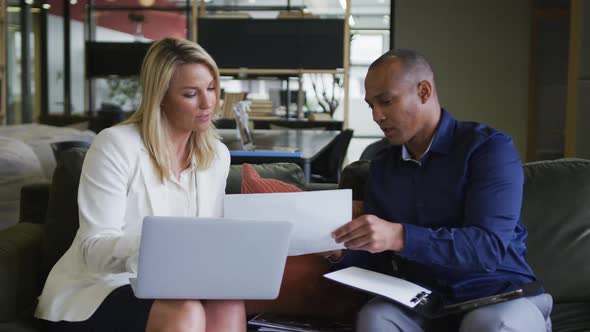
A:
[49, 221]
[556, 212]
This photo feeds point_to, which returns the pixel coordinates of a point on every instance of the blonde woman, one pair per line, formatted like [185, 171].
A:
[165, 160]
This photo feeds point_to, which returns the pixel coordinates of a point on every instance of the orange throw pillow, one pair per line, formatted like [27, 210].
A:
[304, 290]
[252, 183]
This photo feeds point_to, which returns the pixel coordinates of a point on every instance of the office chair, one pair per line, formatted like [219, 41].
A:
[225, 123]
[59, 147]
[375, 149]
[326, 167]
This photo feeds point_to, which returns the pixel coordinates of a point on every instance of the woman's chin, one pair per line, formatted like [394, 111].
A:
[202, 127]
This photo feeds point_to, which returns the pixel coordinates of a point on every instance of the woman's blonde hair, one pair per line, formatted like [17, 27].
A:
[160, 62]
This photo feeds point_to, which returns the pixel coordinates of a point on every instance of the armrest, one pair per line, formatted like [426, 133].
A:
[33, 202]
[20, 258]
[320, 186]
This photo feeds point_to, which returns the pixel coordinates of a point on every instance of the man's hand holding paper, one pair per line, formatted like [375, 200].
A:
[314, 214]
[371, 233]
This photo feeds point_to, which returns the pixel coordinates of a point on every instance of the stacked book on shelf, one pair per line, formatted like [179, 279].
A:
[261, 109]
[296, 14]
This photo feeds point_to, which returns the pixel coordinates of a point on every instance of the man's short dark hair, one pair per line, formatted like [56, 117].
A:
[411, 62]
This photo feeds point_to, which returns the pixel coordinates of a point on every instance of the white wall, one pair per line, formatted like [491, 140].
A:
[480, 54]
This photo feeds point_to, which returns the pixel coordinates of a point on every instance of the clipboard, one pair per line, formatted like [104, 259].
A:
[416, 297]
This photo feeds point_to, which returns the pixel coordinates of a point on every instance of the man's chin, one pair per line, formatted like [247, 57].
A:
[394, 140]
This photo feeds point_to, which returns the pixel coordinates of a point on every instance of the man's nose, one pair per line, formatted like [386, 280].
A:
[378, 115]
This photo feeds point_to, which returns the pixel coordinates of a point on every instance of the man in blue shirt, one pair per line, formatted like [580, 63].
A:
[445, 197]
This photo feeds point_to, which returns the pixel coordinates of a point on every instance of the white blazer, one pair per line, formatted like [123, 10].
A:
[119, 186]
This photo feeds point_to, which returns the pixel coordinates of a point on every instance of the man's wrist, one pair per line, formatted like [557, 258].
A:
[399, 237]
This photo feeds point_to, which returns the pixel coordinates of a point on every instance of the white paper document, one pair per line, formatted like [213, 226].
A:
[314, 215]
[402, 291]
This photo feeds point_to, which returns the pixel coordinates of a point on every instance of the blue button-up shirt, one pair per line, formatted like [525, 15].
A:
[460, 207]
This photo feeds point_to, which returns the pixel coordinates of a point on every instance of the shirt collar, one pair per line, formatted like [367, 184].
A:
[441, 141]
[443, 137]
[406, 156]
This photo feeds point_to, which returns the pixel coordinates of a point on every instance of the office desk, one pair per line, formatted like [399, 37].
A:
[274, 146]
[285, 123]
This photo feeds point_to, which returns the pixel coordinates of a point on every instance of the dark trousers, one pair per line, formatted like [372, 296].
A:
[120, 311]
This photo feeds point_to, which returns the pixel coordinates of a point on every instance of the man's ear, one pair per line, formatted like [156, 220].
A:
[424, 91]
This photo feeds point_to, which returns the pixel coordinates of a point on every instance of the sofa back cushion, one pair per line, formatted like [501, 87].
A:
[20, 257]
[61, 222]
[556, 213]
[354, 176]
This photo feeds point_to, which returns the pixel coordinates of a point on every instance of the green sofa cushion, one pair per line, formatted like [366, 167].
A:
[556, 213]
[354, 176]
[33, 202]
[30, 325]
[571, 317]
[20, 255]
[62, 209]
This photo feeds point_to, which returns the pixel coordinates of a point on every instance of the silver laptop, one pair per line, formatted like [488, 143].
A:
[207, 258]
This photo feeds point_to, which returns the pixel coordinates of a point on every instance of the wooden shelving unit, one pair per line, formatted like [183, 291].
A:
[284, 71]
[196, 9]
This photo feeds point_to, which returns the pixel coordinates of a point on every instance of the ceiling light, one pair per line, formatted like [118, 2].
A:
[73, 2]
[29, 2]
[46, 6]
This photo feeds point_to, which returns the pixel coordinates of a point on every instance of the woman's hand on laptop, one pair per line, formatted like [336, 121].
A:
[131, 263]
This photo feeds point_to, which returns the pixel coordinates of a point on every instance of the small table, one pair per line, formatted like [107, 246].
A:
[290, 145]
